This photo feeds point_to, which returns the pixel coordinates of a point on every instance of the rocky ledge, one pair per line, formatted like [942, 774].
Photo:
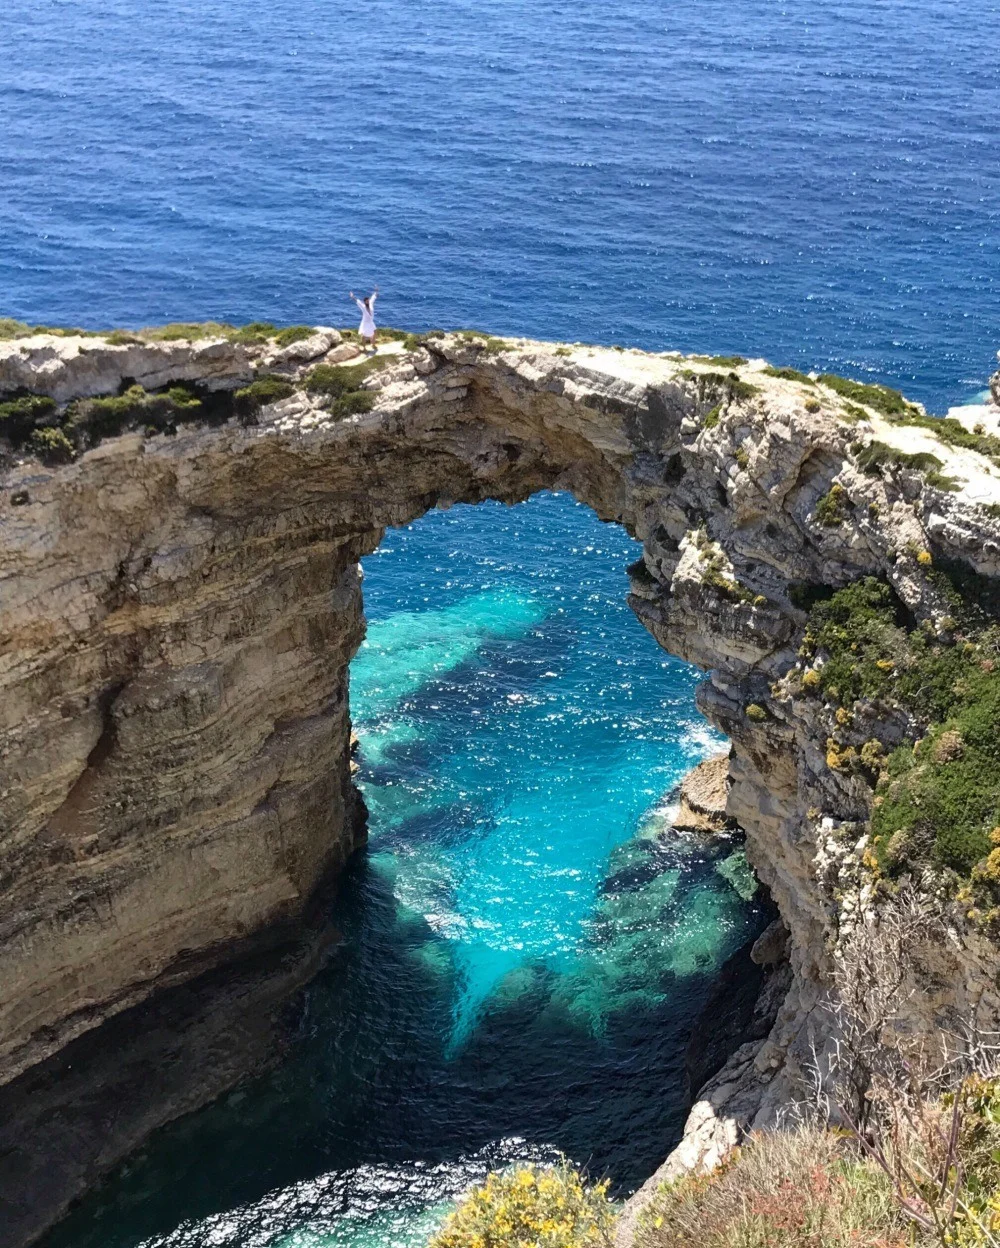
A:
[704, 797]
[180, 596]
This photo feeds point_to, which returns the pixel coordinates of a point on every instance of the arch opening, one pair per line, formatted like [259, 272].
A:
[529, 950]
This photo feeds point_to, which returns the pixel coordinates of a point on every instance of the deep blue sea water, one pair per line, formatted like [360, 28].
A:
[816, 183]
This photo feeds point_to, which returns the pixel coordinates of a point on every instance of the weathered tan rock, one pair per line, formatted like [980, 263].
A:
[68, 368]
[177, 615]
[341, 354]
[319, 343]
[704, 794]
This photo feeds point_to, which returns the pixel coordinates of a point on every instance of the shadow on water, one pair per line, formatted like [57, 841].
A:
[368, 1080]
[526, 948]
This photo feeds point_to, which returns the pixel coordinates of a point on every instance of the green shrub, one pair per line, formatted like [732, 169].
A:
[895, 408]
[354, 403]
[953, 433]
[487, 342]
[851, 413]
[755, 712]
[181, 398]
[186, 331]
[857, 629]
[721, 361]
[531, 1207]
[939, 481]
[804, 595]
[10, 328]
[712, 417]
[51, 445]
[85, 422]
[832, 508]
[943, 803]
[734, 387]
[88, 421]
[18, 417]
[267, 389]
[66, 331]
[972, 597]
[413, 342]
[294, 333]
[881, 398]
[790, 374]
[713, 575]
[722, 387]
[876, 456]
[935, 804]
[108, 417]
[254, 334]
[337, 379]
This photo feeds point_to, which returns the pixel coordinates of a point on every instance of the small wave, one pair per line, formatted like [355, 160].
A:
[378, 1206]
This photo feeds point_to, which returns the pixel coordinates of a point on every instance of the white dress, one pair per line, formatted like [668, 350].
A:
[367, 327]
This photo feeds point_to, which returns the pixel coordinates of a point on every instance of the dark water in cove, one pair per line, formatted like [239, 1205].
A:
[524, 956]
[816, 183]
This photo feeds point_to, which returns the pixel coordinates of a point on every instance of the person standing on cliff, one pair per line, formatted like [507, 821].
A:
[367, 330]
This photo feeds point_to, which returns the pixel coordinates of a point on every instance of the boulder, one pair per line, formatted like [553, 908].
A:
[704, 792]
[306, 349]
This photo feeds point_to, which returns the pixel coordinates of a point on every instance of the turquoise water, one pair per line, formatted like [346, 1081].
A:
[513, 736]
[524, 951]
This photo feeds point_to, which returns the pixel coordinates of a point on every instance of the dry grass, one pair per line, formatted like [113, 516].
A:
[804, 1188]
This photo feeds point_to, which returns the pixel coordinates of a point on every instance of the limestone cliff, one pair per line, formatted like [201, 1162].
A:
[178, 610]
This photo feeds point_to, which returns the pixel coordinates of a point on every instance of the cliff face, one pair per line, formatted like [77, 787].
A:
[177, 615]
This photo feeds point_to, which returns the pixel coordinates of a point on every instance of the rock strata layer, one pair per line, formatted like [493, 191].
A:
[177, 615]
[704, 796]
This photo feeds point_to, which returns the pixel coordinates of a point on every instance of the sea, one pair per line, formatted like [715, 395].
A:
[526, 945]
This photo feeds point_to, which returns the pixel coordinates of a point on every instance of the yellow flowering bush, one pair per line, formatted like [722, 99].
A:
[531, 1207]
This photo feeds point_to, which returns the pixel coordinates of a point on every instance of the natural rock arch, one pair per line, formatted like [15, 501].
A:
[177, 615]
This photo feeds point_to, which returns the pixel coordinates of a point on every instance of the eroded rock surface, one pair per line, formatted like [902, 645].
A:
[70, 368]
[177, 614]
[704, 796]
